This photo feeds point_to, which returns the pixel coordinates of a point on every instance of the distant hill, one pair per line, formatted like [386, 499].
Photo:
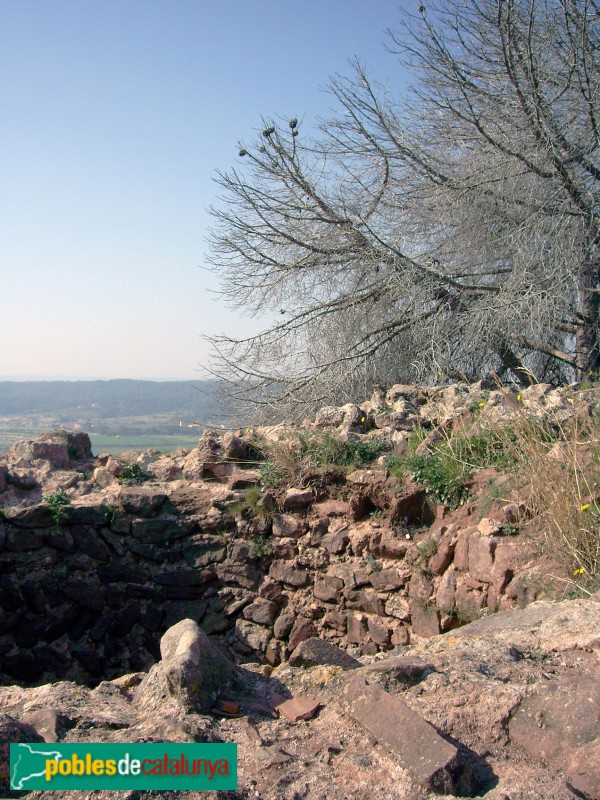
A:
[110, 399]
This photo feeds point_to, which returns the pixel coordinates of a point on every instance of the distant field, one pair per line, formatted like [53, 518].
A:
[102, 443]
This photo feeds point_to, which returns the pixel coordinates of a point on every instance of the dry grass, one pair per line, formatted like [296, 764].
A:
[556, 466]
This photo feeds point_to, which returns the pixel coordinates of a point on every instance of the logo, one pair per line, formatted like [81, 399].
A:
[123, 766]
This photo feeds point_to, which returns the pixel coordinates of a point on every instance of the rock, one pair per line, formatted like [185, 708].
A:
[286, 572]
[386, 544]
[328, 588]
[314, 651]
[414, 742]
[283, 625]
[261, 611]
[12, 731]
[288, 526]
[252, 636]
[336, 541]
[298, 708]
[140, 500]
[481, 557]
[194, 670]
[302, 629]
[558, 722]
[440, 561]
[332, 508]
[297, 499]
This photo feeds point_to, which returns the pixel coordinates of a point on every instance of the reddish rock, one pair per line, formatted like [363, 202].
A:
[388, 579]
[336, 541]
[489, 527]
[328, 588]
[481, 557]
[285, 572]
[283, 625]
[288, 526]
[332, 508]
[398, 607]
[461, 550]
[315, 651]
[440, 561]
[365, 600]
[303, 629]
[357, 626]
[335, 620]
[446, 591]
[261, 611]
[298, 708]
[412, 740]
[558, 722]
[386, 544]
[400, 636]
[379, 630]
[297, 499]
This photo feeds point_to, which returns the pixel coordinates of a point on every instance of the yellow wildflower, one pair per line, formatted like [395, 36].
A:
[585, 506]
[580, 571]
[481, 405]
[518, 397]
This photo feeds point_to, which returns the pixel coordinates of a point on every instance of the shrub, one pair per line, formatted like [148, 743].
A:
[56, 503]
[133, 473]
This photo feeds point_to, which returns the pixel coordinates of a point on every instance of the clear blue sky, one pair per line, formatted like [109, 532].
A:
[115, 116]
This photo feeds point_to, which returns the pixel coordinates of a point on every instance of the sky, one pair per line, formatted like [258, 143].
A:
[116, 115]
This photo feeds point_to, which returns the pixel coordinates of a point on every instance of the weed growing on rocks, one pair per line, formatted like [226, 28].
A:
[57, 504]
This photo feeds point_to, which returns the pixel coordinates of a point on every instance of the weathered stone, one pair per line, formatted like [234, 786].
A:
[559, 723]
[367, 477]
[116, 572]
[481, 557]
[397, 606]
[446, 591]
[203, 549]
[13, 731]
[302, 629]
[400, 636]
[104, 478]
[141, 500]
[386, 580]
[297, 499]
[36, 516]
[314, 651]
[337, 541]
[193, 670]
[288, 526]
[252, 636]
[285, 572]
[24, 454]
[88, 595]
[245, 574]
[332, 508]
[386, 544]
[441, 559]
[261, 611]
[298, 708]
[412, 740]
[20, 541]
[283, 625]
[328, 588]
[357, 627]
[379, 630]
[365, 600]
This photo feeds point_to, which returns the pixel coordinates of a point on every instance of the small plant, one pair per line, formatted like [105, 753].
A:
[57, 504]
[261, 546]
[249, 507]
[373, 563]
[377, 513]
[426, 550]
[133, 473]
[442, 476]
[108, 514]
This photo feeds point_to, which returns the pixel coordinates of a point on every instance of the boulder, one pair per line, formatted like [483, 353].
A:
[314, 651]
[192, 669]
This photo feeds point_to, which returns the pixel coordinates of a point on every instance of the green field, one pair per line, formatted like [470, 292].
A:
[106, 443]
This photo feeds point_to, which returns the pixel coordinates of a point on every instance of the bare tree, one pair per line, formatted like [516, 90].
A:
[449, 232]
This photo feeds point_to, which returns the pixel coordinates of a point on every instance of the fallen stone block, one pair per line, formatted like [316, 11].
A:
[314, 651]
[298, 708]
[415, 743]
